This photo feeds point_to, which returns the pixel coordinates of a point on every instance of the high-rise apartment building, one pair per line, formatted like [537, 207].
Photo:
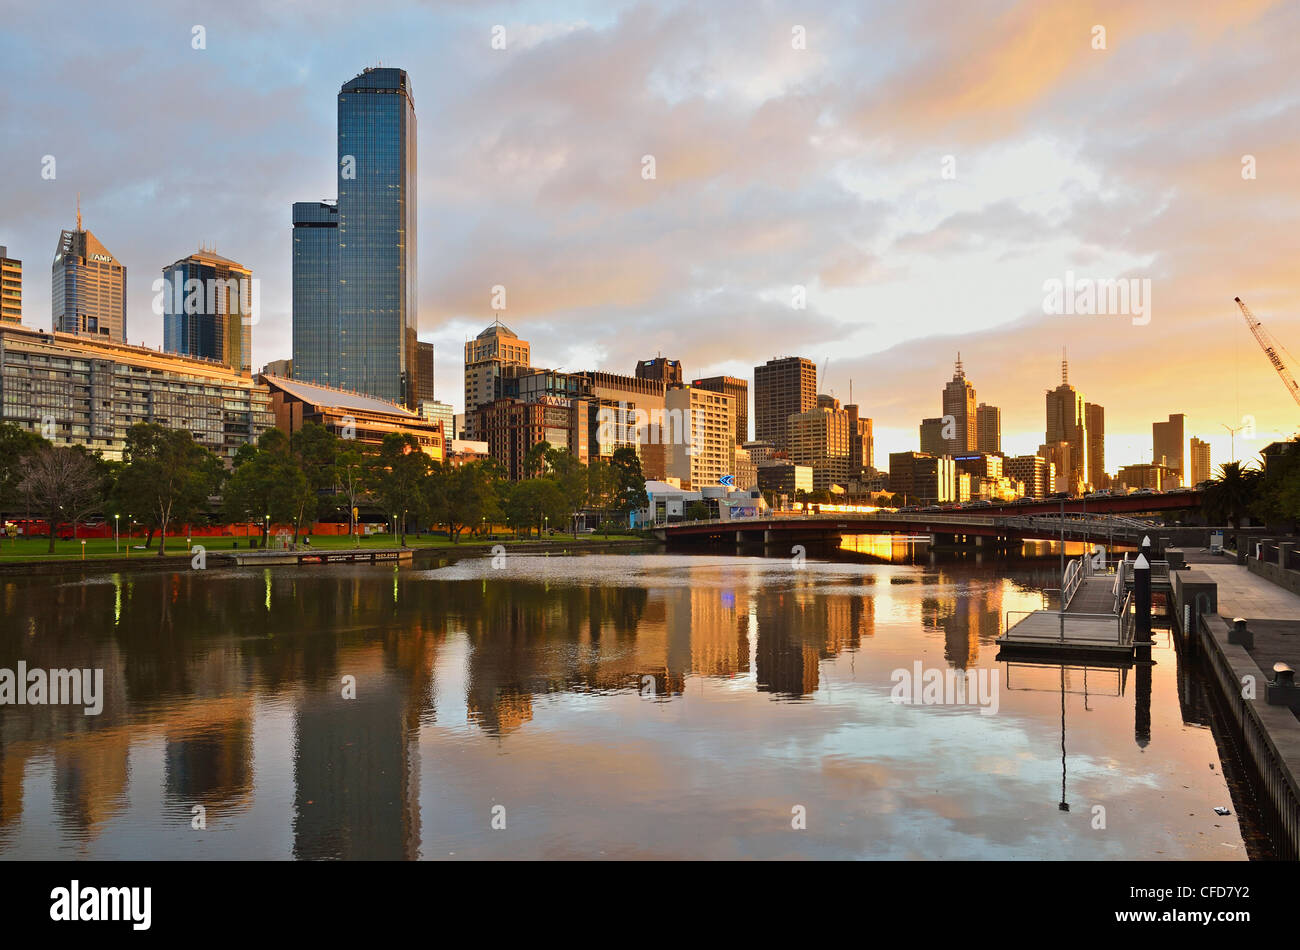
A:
[316, 336]
[1067, 422]
[738, 390]
[377, 235]
[208, 309]
[1168, 446]
[959, 404]
[932, 440]
[988, 429]
[1200, 452]
[922, 477]
[1036, 472]
[862, 442]
[87, 287]
[782, 388]
[11, 288]
[702, 443]
[1095, 418]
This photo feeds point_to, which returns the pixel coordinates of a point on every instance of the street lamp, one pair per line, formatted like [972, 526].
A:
[266, 531]
[117, 526]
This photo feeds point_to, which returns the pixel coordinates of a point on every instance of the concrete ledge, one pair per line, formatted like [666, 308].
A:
[1281, 576]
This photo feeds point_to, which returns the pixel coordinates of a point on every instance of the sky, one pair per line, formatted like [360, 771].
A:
[874, 186]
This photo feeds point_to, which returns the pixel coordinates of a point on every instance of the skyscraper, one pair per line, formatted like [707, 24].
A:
[782, 388]
[424, 391]
[988, 429]
[485, 358]
[1168, 447]
[315, 292]
[1067, 422]
[738, 390]
[1200, 461]
[959, 402]
[1095, 417]
[377, 288]
[11, 288]
[666, 371]
[208, 309]
[87, 287]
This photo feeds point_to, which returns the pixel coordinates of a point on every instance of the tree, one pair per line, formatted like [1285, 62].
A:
[166, 476]
[629, 482]
[15, 443]
[535, 460]
[60, 483]
[316, 450]
[397, 476]
[351, 465]
[570, 477]
[1230, 494]
[267, 484]
[1277, 491]
[462, 497]
[696, 511]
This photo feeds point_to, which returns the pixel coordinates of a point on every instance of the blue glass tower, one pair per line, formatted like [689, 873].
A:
[208, 309]
[315, 292]
[377, 291]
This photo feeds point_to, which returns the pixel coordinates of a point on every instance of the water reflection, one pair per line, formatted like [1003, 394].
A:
[619, 705]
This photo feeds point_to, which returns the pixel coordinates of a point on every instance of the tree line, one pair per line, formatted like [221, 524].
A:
[165, 478]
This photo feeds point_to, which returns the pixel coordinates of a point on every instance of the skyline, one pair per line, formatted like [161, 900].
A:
[531, 177]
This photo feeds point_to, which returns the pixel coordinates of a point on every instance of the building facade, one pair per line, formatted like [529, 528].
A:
[988, 429]
[738, 390]
[1036, 473]
[356, 417]
[782, 388]
[959, 405]
[1200, 459]
[1095, 418]
[927, 479]
[700, 436]
[378, 290]
[1067, 422]
[819, 439]
[87, 287]
[1168, 444]
[78, 390]
[11, 288]
[666, 371]
[316, 336]
[208, 310]
[486, 356]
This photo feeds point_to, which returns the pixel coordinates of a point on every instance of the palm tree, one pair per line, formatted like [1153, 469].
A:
[1231, 494]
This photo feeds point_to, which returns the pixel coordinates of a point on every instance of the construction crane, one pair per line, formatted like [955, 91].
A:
[1270, 348]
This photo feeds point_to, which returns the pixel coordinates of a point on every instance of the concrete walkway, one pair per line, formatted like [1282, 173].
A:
[1243, 594]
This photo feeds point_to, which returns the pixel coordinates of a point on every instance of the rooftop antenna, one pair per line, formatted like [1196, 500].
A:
[78, 211]
[1065, 369]
[960, 372]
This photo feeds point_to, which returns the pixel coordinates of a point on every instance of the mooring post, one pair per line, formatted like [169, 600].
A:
[1145, 548]
[1142, 597]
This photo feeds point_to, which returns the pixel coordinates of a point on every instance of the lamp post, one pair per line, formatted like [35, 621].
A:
[266, 530]
[117, 528]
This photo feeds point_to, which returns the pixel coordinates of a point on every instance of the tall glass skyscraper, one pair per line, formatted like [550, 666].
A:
[208, 309]
[315, 292]
[87, 287]
[377, 292]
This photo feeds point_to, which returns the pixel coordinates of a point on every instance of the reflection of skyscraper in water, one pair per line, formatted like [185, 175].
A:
[212, 764]
[355, 771]
[90, 778]
[787, 665]
[719, 633]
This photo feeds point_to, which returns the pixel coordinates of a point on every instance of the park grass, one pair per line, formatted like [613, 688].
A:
[36, 550]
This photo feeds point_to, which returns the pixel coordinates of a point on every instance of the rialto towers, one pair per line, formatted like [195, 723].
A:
[354, 262]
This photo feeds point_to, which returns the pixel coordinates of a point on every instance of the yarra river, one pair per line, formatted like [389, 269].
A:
[606, 705]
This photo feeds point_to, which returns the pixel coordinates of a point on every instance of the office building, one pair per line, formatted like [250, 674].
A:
[926, 479]
[1036, 473]
[281, 368]
[316, 336]
[486, 356]
[434, 411]
[819, 439]
[378, 290]
[1168, 445]
[1067, 422]
[784, 478]
[105, 387]
[11, 288]
[988, 429]
[354, 416]
[1200, 458]
[424, 391]
[862, 443]
[738, 390]
[932, 440]
[959, 405]
[622, 408]
[87, 287]
[666, 371]
[208, 310]
[782, 388]
[511, 427]
[1154, 476]
[1095, 418]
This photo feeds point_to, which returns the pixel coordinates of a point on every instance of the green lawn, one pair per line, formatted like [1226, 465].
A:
[35, 549]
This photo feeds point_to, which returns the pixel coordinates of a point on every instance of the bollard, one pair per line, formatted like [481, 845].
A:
[1142, 597]
[1145, 548]
[1281, 690]
[1240, 635]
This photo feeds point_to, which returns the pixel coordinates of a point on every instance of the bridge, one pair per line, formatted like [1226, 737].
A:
[1105, 519]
